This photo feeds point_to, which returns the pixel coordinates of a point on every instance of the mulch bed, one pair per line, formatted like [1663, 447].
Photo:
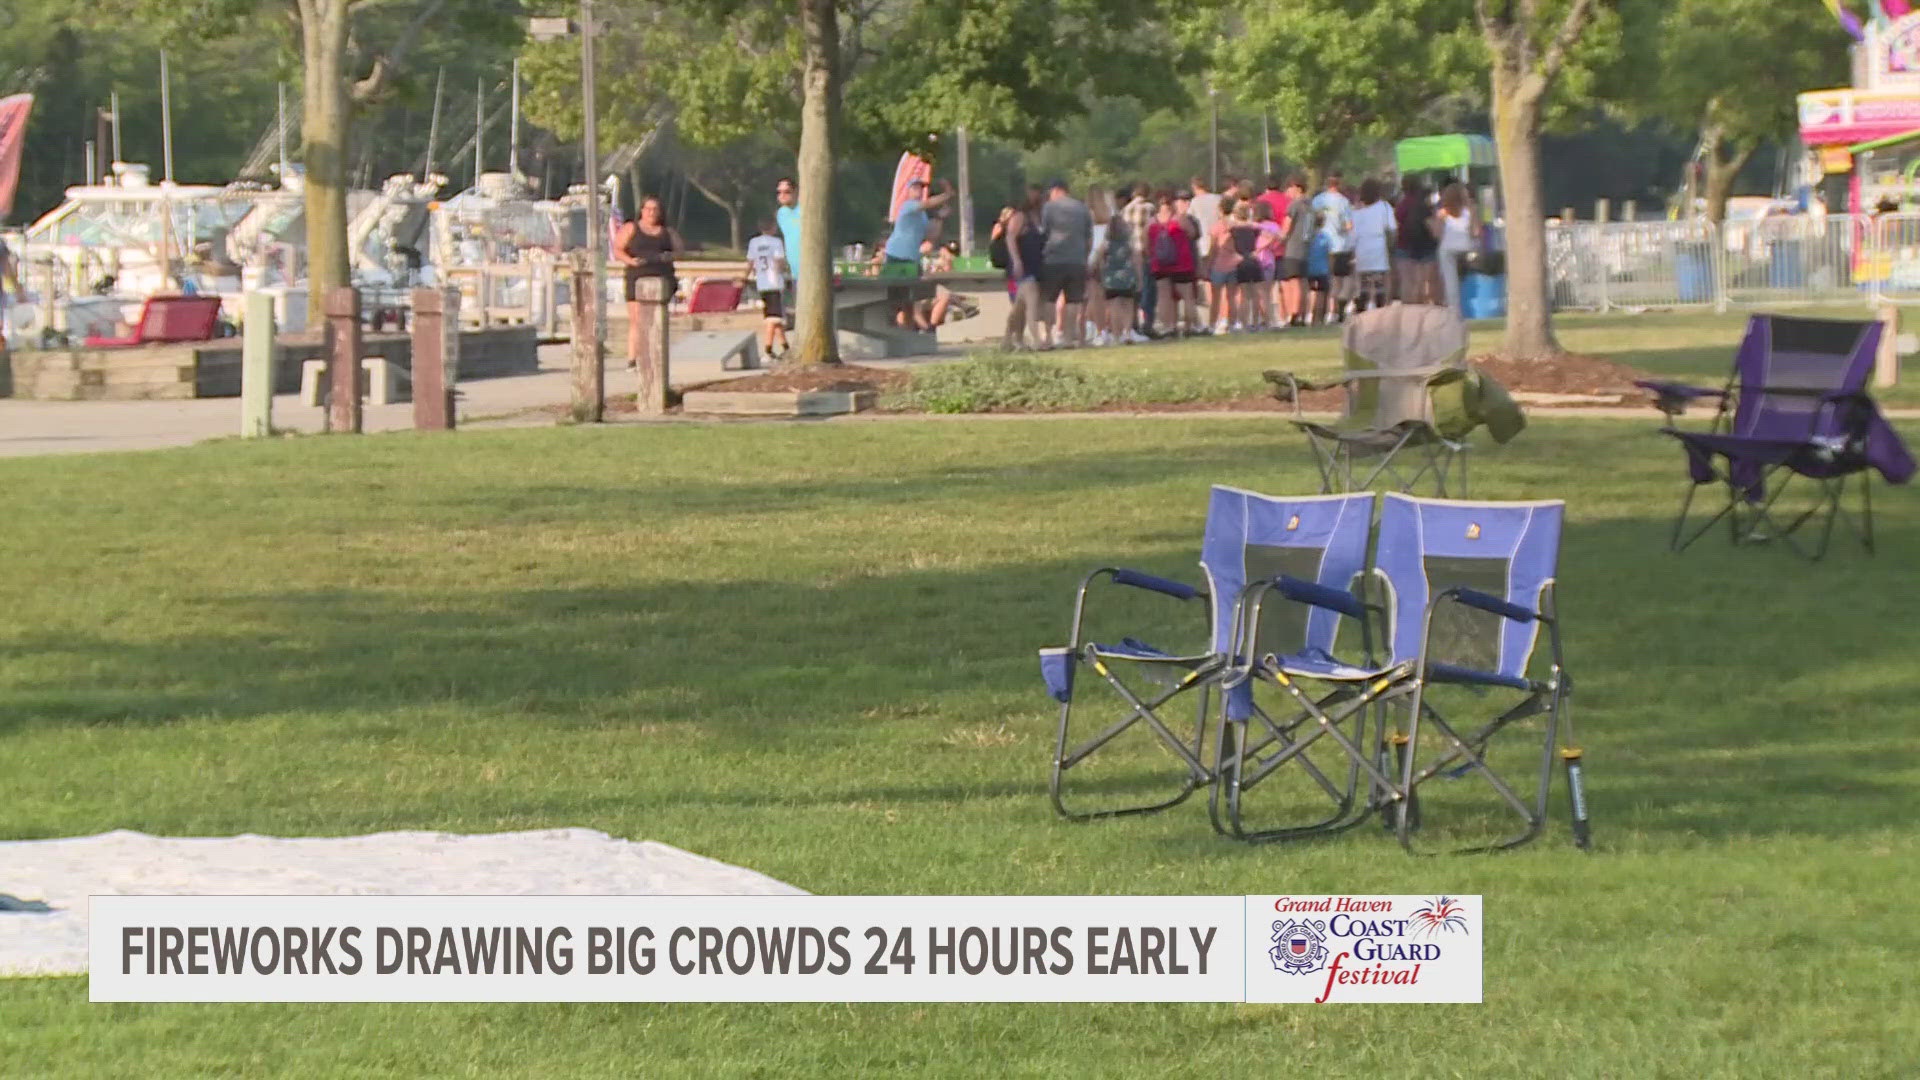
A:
[1567, 374]
[795, 378]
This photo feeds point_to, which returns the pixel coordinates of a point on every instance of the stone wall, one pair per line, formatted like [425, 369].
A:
[212, 369]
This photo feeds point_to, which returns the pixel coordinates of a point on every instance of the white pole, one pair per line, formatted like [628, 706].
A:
[114, 103]
[281, 89]
[166, 121]
[966, 195]
[513, 128]
[433, 124]
[596, 241]
[479, 126]
[1266, 147]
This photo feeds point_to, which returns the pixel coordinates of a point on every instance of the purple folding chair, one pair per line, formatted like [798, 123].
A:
[1796, 405]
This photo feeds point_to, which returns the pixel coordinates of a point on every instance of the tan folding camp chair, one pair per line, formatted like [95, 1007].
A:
[1411, 400]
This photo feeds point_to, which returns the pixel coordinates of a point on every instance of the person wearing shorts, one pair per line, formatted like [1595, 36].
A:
[1172, 258]
[1299, 229]
[1067, 247]
[767, 263]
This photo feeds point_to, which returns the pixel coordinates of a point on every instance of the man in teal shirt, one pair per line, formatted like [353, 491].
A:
[788, 218]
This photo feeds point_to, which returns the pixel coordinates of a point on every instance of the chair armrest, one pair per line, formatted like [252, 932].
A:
[1287, 385]
[1474, 598]
[1167, 586]
[1320, 596]
[1672, 398]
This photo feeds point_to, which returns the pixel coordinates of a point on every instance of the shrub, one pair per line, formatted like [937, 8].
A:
[1001, 382]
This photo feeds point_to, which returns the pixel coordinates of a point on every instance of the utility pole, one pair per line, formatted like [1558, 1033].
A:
[589, 333]
[1213, 167]
[589, 401]
[966, 195]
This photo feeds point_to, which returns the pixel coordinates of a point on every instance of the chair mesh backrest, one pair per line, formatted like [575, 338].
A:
[179, 318]
[1413, 339]
[1825, 356]
[1508, 550]
[1322, 539]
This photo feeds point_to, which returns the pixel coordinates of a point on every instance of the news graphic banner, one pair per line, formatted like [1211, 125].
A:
[1294, 948]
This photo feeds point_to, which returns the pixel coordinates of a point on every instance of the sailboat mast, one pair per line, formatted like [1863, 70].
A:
[513, 129]
[433, 125]
[166, 120]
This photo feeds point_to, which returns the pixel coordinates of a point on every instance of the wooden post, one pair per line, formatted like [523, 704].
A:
[436, 357]
[342, 309]
[652, 397]
[1629, 210]
[589, 352]
[1566, 215]
[1602, 211]
[256, 367]
[1886, 362]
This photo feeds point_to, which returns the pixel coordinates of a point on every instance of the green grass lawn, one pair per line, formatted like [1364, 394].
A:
[1696, 345]
[808, 649]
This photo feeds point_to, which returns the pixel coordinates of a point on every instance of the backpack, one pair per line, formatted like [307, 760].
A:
[1117, 274]
[1166, 250]
[997, 252]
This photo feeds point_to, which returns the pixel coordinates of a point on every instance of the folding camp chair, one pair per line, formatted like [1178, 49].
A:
[1465, 588]
[1153, 680]
[1290, 563]
[1469, 586]
[1396, 358]
[1796, 405]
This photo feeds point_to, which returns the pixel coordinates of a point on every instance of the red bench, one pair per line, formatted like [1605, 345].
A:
[168, 319]
[713, 295]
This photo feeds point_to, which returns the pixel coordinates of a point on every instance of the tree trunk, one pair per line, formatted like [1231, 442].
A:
[819, 116]
[325, 117]
[733, 227]
[1721, 173]
[1516, 127]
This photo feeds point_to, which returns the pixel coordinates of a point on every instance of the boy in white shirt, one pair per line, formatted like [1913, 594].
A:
[767, 262]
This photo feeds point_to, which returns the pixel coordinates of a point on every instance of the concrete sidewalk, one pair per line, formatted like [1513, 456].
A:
[72, 427]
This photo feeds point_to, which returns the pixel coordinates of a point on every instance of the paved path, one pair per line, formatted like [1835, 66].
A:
[68, 427]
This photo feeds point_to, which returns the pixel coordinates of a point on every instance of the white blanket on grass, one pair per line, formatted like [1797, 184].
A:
[578, 862]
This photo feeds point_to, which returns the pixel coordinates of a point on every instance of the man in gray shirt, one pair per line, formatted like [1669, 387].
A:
[1293, 258]
[1068, 227]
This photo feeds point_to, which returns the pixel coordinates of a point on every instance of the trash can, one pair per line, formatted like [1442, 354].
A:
[1483, 296]
[1693, 279]
[1788, 265]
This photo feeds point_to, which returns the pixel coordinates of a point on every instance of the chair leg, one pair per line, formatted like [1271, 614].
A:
[1139, 712]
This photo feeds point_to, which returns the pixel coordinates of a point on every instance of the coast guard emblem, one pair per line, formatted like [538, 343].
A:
[1299, 947]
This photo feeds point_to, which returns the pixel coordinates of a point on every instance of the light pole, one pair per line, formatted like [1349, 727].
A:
[1213, 168]
[589, 363]
[590, 135]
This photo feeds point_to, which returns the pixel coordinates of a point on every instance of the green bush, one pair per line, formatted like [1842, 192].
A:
[1002, 382]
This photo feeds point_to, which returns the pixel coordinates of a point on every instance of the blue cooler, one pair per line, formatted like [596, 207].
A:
[1483, 296]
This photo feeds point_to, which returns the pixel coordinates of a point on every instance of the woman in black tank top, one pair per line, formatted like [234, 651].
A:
[646, 248]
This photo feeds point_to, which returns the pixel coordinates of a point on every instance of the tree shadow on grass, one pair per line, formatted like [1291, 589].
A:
[1720, 692]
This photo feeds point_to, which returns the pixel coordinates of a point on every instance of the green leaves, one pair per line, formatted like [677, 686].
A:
[1330, 70]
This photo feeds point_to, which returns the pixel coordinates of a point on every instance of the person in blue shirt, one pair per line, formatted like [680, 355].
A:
[1319, 272]
[909, 232]
[787, 216]
[910, 228]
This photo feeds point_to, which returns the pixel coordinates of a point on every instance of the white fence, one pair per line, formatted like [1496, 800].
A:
[1835, 259]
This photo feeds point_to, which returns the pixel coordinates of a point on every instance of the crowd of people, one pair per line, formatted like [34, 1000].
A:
[1144, 263]
[1135, 264]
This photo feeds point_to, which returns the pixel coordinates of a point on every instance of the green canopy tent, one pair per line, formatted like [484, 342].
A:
[1457, 155]
[1445, 153]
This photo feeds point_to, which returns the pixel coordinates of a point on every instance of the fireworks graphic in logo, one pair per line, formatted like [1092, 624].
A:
[1442, 915]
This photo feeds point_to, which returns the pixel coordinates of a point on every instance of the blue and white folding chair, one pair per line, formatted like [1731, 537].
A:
[1290, 564]
[1145, 679]
[1470, 586]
